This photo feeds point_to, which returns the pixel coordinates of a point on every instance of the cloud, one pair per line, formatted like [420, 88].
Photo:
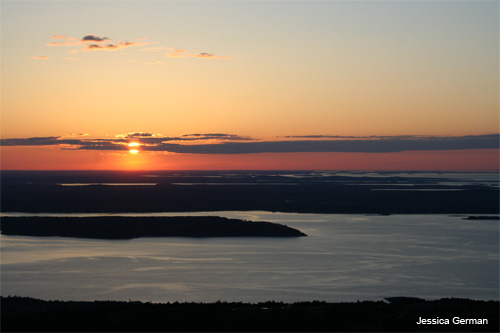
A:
[40, 58]
[139, 135]
[72, 135]
[157, 62]
[386, 145]
[235, 144]
[185, 54]
[219, 136]
[97, 43]
[93, 42]
[66, 43]
[38, 141]
[352, 137]
[177, 54]
[112, 47]
[204, 55]
[88, 144]
[94, 38]
[156, 49]
[148, 139]
[209, 56]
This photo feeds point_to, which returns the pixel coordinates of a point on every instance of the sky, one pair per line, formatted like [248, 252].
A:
[330, 85]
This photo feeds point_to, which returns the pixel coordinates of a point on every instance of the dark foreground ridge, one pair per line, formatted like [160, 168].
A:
[401, 314]
[105, 227]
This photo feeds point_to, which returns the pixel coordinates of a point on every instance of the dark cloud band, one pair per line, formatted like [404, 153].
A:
[39, 141]
[353, 146]
[233, 144]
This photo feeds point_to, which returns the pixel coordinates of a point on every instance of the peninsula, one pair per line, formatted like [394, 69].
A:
[119, 227]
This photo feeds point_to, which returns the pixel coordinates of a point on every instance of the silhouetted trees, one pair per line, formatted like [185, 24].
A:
[27, 314]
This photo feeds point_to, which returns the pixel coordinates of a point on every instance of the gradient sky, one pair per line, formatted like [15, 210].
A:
[80, 77]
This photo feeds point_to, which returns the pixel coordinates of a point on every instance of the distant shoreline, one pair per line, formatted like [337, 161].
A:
[196, 191]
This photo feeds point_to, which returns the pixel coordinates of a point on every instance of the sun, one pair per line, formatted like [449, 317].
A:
[133, 145]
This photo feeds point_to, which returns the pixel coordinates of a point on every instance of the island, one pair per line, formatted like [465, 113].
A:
[121, 227]
[484, 218]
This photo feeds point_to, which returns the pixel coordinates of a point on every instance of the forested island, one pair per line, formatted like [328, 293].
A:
[119, 227]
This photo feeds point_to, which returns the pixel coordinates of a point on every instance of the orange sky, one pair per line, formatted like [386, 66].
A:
[34, 158]
[258, 70]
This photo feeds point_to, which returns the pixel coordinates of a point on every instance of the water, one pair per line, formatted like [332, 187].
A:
[344, 258]
[490, 179]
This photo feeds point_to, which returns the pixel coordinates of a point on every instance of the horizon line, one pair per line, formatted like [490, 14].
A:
[253, 170]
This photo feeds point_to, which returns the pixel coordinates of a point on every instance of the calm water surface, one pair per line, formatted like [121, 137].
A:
[344, 258]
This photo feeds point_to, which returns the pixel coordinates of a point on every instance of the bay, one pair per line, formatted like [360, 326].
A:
[344, 258]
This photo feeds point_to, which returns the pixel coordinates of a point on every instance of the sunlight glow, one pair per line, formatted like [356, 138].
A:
[133, 145]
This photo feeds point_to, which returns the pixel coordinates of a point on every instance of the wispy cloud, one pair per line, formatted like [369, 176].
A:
[210, 56]
[64, 40]
[156, 49]
[220, 143]
[59, 37]
[353, 137]
[93, 42]
[138, 135]
[177, 54]
[157, 62]
[39, 141]
[185, 54]
[111, 47]
[40, 58]
[219, 136]
[72, 135]
[66, 43]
